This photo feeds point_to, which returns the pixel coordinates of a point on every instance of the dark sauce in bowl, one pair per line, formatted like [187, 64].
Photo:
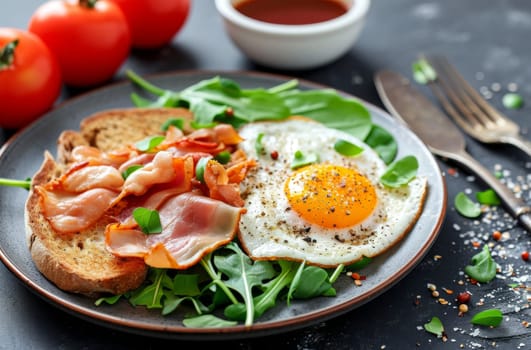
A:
[292, 12]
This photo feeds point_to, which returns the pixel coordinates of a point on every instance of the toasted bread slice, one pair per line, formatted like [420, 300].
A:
[80, 262]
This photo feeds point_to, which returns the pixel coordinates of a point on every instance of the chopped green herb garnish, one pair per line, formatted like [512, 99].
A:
[512, 101]
[148, 220]
[483, 268]
[347, 148]
[435, 326]
[401, 172]
[300, 159]
[258, 145]
[149, 143]
[466, 207]
[130, 170]
[200, 168]
[223, 157]
[488, 197]
[491, 318]
[423, 72]
[177, 122]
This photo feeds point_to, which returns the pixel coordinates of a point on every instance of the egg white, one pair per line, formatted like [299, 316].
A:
[270, 229]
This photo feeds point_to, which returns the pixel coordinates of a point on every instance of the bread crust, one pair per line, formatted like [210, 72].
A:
[80, 262]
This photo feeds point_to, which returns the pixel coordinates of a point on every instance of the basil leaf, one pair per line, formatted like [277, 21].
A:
[483, 268]
[400, 172]
[148, 220]
[149, 143]
[466, 207]
[347, 149]
[435, 326]
[491, 318]
[488, 197]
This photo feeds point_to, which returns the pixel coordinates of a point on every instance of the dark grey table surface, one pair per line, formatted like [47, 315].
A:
[489, 42]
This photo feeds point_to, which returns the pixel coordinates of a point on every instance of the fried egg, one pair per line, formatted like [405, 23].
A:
[332, 210]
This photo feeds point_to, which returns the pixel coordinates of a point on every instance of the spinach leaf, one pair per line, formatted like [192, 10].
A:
[148, 220]
[435, 326]
[331, 109]
[466, 207]
[383, 143]
[491, 318]
[400, 172]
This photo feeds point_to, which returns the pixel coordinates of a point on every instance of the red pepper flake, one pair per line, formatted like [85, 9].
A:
[496, 235]
[525, 256]
[452, 171]
[463, 298]
[356, 276]
[476, 244]
[229, 112]
[274, 155]
[473, 281]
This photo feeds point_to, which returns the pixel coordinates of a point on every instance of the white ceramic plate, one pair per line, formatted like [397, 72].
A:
[23, 154]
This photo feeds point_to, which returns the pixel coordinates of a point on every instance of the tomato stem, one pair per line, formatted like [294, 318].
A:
[88, 3]
[7, 54]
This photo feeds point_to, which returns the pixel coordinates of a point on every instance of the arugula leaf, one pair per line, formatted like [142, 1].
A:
[313, 282]
[207, 321]
[400, 172]
[491, 318]
[267, 299]
[111, 300]
[151, 295]
[483, 268]
[243, 275]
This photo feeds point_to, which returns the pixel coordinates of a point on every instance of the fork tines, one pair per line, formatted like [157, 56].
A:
[469, 109]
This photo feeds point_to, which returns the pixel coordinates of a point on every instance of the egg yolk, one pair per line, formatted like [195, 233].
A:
[330, 196]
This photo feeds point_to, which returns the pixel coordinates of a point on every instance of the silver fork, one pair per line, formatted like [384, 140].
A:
[470, 110]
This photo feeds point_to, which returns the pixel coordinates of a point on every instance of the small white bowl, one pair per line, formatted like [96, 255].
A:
[302, 46]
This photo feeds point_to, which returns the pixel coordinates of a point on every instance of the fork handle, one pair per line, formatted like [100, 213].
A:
[519, 142]
[514, 205]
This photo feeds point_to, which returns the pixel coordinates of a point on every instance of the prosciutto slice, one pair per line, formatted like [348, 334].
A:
[193, 226]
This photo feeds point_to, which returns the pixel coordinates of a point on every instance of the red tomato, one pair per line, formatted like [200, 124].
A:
[30, 78]
[154, 23]
[90, 38]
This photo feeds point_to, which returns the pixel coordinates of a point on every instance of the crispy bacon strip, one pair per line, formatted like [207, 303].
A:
[71, 212]
[193, 226]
